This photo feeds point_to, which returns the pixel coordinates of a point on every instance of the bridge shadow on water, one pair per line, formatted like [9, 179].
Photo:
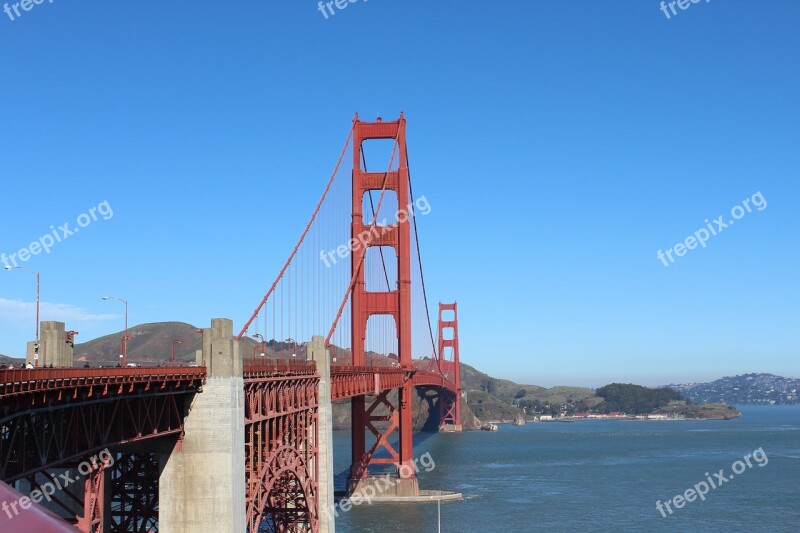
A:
[341, 456]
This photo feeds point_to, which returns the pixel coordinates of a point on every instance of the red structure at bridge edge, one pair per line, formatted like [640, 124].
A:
[396, 303]
[450, 405]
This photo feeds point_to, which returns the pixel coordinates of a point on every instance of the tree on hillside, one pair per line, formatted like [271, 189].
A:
[489, 385]
[634, 399]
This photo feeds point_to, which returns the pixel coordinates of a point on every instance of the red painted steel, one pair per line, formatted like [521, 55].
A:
[281, 461]
[396, 303]
[451, 408]
[273, 367]
[93, 502]
[53, 416]
[354, 382]
[22, 381]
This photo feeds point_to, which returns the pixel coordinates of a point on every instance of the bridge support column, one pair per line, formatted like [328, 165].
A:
[319, 354]
[202, 482]
[395, 302]
[450, 420]
[55, 346]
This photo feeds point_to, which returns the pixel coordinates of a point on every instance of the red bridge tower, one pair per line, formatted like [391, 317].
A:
[450, 404]
[396, 303]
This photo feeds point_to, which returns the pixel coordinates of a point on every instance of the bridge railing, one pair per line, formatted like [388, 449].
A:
[18, 381]
[272, 367]
[350, 369]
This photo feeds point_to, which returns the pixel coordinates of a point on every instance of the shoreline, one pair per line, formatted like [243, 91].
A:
[621, 418]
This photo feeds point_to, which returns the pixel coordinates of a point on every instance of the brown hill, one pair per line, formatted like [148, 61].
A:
[151, 344]
[5, 360]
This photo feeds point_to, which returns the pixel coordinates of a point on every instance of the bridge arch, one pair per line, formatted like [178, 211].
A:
[284, 496]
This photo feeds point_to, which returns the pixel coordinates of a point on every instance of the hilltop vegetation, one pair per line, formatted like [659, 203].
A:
[634, 399]
[687, 409]
[490, 408]
[492, 399]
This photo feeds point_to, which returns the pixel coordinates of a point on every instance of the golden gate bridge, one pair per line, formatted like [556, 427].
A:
[242, 441]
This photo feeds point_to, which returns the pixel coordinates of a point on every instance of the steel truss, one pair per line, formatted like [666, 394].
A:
[281, 435]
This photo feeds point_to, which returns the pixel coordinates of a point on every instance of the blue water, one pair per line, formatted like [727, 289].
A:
[601, 476]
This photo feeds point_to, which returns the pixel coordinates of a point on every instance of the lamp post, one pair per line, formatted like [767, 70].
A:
[125, 338]
[122, 342]
[172, 354]
[202, 333]
[36, 340]
[263, 344]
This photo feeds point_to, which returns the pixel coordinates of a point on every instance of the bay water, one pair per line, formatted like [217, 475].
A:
[602, 475]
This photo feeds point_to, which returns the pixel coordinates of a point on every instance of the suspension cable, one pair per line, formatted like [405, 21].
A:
[419, 256]
[303, 236]
[372, 226]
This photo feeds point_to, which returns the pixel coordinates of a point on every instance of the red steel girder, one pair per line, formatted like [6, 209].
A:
[26, 382]
[281, 453]
[94, 504]
[35, 439]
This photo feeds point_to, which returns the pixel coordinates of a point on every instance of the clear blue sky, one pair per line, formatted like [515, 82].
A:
[561, 145]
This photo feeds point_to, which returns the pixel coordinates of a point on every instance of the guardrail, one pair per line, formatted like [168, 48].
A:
[23, 380]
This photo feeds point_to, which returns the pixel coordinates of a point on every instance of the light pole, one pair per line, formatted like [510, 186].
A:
[263, 344]
[36, 341]
[202, 333]
[172, 355]
[122, 341]
[125, 338]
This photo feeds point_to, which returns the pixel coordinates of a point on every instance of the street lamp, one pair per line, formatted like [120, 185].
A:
[202, 333]
[36, 341]
[263, 345]
[125, 338]
[172, 356]
[122, 342]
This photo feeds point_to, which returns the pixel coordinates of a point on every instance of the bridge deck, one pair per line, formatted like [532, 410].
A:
[25, 381]
[347, 381]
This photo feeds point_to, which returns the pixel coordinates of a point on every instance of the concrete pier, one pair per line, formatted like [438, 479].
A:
[318, 353]
[202, 481]
[54, 348]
